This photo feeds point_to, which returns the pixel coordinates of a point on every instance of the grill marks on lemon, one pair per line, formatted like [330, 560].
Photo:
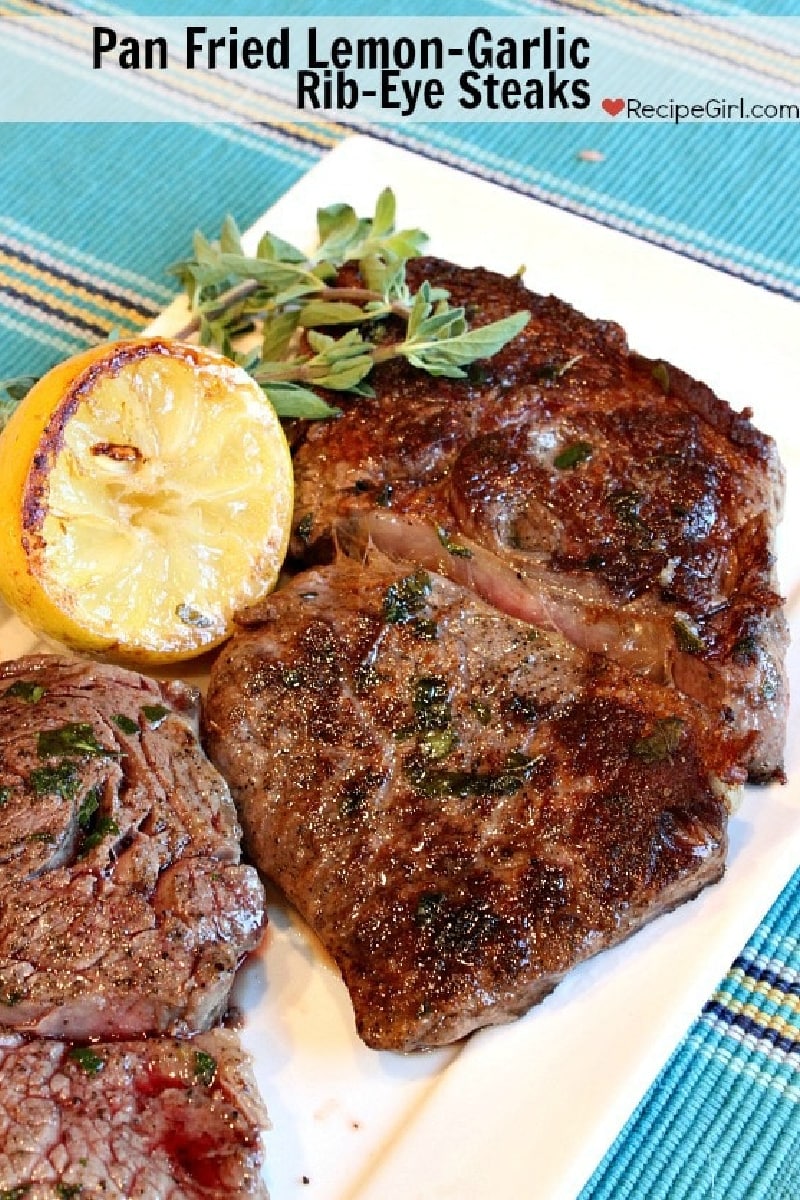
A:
[157, 500]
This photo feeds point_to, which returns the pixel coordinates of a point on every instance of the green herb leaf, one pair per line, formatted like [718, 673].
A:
[230, 240]
[11, 392]
[660, 374]
[431, 703]
[89, 806]
[745, 651]
[552, 371]
[572, 455]
[5, 796]
[437, 743]
[126, 724]
[61, 780]
[205, 1068]
[385, 210]
[76, 739]
[454, 548]
[100, 828]
[446, 356]
[331, 312]
[292, 400]
[23, 689]
[687, 635]
[277, 333]
[274, 248]
[517, 769]
[87, 1059]
[304, 526]
[41, 835]
[625, 505]
[405, 598]
[154, 714]
[661, 744]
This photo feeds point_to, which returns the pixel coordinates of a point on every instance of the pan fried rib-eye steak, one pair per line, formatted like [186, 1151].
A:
[125, 908]
[603, 494]
[462, 806]
[162, 1118]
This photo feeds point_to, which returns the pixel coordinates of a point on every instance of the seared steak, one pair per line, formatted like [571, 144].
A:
[163, 1119]
[125, 909]
[613, 498]
[462, 806]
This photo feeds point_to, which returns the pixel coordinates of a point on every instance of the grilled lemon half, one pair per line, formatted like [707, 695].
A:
[146, 494]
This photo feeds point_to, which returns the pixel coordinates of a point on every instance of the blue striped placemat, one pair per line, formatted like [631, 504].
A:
[722, 1120]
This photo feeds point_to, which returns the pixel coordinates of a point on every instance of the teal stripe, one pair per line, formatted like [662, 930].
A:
[774, 946]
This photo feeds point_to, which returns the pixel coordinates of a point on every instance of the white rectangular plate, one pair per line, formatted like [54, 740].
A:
[526, 1110]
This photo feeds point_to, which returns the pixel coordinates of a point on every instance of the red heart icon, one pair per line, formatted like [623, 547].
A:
[614, 107]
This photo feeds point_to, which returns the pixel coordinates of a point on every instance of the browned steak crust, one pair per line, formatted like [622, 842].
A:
[176, 1120]
[462, 807]
[125, 909]
[607, 482]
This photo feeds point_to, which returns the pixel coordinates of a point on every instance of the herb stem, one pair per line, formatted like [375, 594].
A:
[226, 301]
[351, 295]
[356, 295]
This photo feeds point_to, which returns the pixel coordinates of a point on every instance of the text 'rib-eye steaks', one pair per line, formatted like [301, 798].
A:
[125, 908]
[162, 1118]
[602, 494]
[461, 806]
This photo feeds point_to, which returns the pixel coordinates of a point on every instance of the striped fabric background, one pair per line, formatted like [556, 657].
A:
[91, 214]
[70, 272]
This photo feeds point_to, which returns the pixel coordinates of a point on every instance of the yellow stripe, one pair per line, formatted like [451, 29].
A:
[207, 84]
[672, 29]
[774, 994]
[774, 1023]
[65, 287]
[56, 302]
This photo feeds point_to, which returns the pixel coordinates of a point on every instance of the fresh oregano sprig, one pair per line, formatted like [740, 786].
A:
[280, 291]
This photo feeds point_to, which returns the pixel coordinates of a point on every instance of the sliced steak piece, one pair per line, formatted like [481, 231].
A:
[161, 1119]
[124, 909]
[628, 499]
[461, 806]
